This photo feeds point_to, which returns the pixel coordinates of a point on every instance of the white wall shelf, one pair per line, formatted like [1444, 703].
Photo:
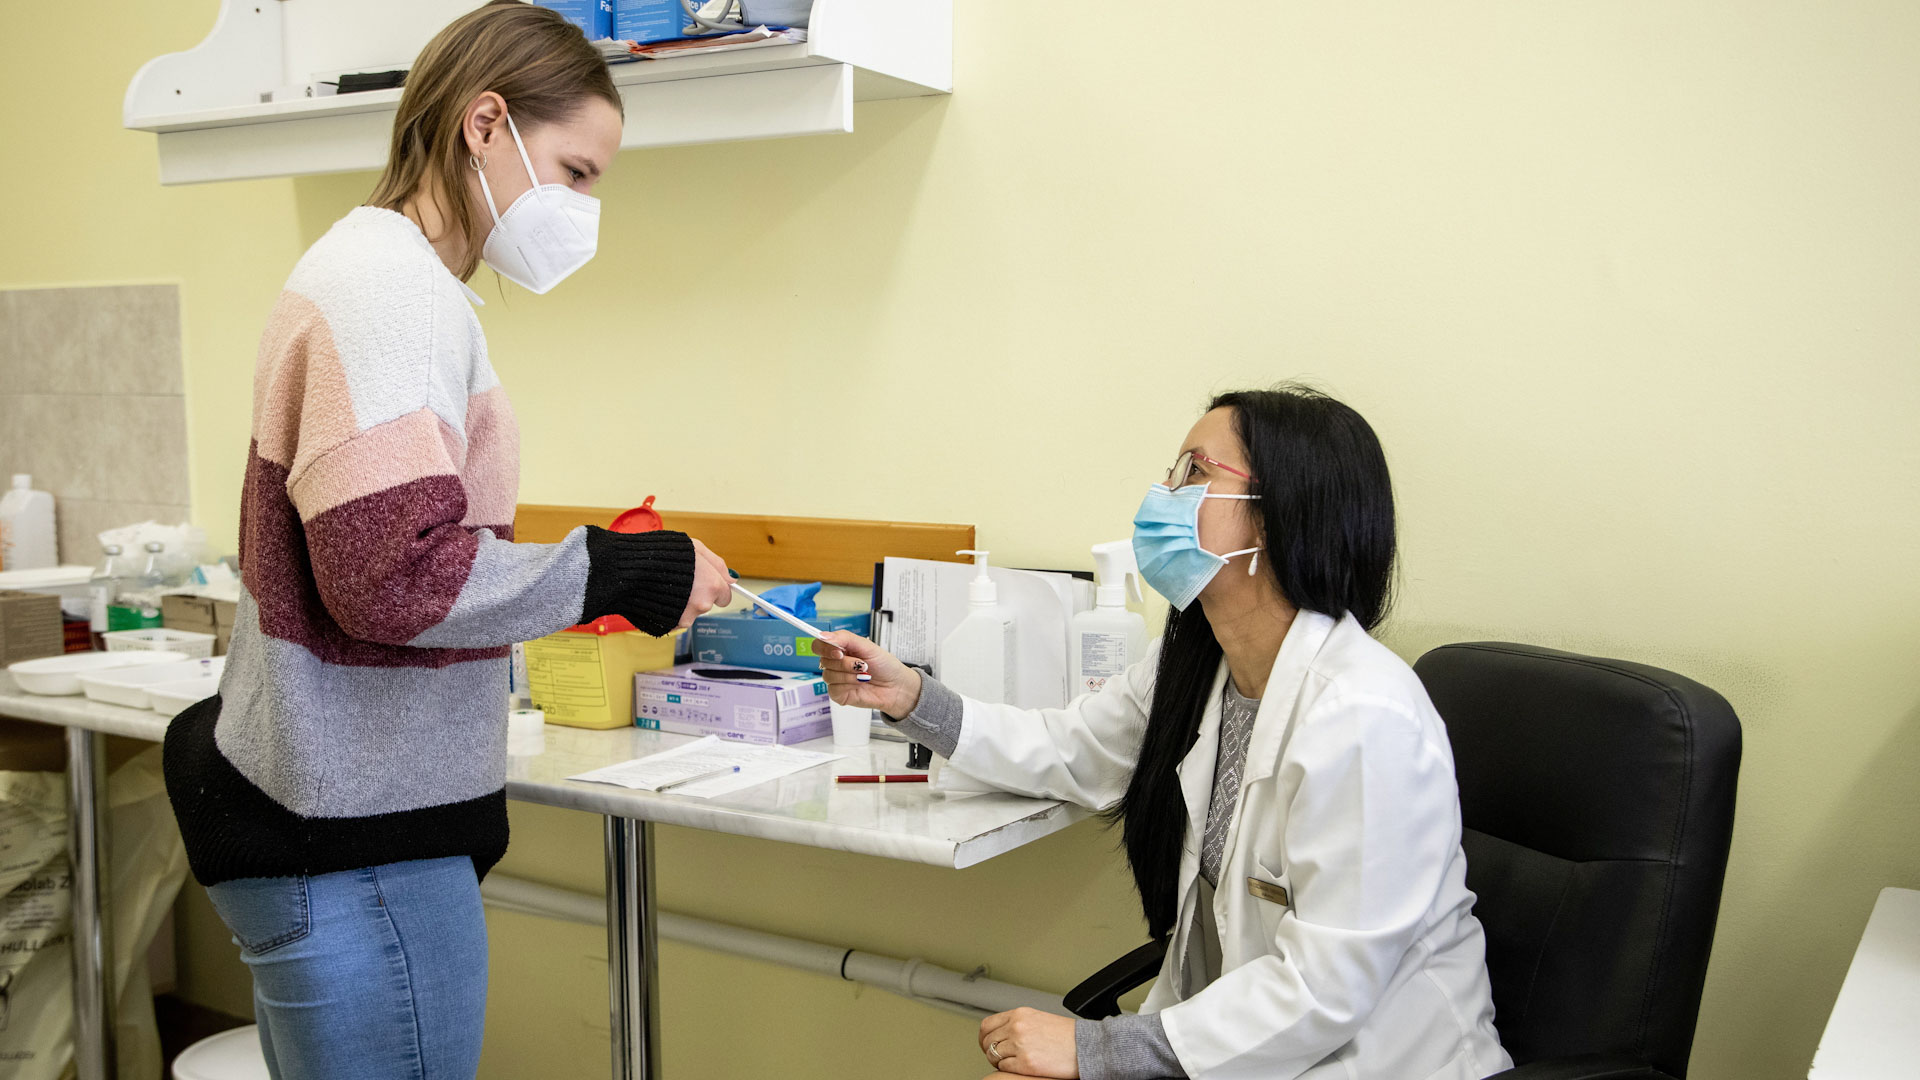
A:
[206, 104]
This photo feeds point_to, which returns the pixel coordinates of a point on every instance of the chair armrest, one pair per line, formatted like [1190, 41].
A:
[1588, 1067]
[1099, 996]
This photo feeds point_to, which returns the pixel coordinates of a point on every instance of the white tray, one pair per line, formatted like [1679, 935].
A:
[168, 699]
[58, 675]
[189, 642]
[128, 686]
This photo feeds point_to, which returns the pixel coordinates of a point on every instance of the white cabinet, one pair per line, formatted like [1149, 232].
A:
[209, 110]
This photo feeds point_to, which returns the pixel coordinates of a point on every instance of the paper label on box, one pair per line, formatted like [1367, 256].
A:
[661, 697]
[753, 719]
[563, 675]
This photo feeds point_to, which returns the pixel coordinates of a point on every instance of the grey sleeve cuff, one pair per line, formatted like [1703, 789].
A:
[1131, 1046]
[935, 721]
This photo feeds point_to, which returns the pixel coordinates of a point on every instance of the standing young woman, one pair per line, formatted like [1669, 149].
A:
[345, 791]
[1285, 788]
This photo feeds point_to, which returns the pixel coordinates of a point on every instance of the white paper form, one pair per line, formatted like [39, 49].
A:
[928, 599]
[757, 764]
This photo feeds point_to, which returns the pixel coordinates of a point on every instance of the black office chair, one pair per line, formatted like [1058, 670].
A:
[1598, 802]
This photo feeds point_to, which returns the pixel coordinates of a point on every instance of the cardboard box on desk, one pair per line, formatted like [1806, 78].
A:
[743, 704]
[741, 637]
[583, 677]
[201, 615]
[30, 626]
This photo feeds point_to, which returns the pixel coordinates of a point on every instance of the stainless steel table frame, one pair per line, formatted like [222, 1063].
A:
[93, 998]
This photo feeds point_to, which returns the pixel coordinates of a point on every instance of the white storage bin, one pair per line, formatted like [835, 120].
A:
[196, 646]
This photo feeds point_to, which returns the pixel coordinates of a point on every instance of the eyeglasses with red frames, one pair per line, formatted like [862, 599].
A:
[1182, 472]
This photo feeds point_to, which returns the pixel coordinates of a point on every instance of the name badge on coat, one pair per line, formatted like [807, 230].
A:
[1268, 891]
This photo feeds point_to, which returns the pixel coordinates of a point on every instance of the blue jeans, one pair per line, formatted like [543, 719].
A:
[371, 974]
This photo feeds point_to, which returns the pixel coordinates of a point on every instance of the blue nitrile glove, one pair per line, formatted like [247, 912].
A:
[795, 600]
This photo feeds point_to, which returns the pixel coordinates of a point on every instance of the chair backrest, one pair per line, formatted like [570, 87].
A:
[1598, 798]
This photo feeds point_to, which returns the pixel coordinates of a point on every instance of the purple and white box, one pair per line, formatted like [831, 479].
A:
[743, 704]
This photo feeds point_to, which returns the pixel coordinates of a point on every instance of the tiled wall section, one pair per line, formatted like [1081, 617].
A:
[92, 404]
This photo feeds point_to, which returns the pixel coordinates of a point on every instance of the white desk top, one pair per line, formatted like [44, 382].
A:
[1872, 1033]
[902, 821]
[897, 821]
[77, 711]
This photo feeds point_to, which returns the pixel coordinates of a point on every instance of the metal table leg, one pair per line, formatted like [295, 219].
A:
[633, 970]
[94, 1053]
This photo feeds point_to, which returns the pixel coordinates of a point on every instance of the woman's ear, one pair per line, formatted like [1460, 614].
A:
[484, 124]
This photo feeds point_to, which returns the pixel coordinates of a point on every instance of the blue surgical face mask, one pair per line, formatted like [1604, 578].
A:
[1166, 543]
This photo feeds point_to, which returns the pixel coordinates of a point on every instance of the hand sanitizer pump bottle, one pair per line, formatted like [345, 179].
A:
[1107, 639]
[978, 658]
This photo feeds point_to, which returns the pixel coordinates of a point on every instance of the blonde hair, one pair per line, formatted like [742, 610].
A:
[531, 56]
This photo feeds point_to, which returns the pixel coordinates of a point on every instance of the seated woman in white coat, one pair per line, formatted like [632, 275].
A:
[1284, 788]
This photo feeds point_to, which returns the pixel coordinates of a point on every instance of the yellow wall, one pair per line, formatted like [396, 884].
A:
[1628, 289]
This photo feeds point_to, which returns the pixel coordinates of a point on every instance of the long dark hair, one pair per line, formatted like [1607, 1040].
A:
[1326, 504]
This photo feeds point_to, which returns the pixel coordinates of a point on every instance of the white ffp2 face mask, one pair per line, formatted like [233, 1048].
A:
[546, 234]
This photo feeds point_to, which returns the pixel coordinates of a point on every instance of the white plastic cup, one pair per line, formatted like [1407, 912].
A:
[851, 726]
[526, 733]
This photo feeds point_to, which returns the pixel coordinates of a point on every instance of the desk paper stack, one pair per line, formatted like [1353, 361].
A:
[757, 765]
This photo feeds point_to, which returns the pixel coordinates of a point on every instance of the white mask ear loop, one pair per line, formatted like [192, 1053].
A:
[481, 168]
[1253, 564]
[532, 178]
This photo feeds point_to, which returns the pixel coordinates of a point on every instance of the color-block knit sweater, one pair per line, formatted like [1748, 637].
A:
[361, 718]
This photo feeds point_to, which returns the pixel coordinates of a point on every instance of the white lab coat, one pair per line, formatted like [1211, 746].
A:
[1376, 968]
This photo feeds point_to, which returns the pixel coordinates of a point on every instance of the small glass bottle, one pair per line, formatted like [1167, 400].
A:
[103, 591]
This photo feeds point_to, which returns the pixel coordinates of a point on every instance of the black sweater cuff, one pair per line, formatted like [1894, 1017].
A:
[645, 577]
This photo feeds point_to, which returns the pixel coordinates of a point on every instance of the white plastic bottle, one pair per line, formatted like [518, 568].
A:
[26, 527]
[978, 658]
[1107, 639]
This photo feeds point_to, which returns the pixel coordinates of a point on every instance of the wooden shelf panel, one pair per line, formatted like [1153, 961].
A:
[837, 550]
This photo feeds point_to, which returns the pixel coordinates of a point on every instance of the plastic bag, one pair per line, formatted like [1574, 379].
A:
[184, 546]
[147, 864]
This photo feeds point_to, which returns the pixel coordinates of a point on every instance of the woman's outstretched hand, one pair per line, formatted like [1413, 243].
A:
[712, 585]
[866, 676]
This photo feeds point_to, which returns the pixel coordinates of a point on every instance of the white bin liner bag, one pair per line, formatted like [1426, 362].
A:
[147, 864]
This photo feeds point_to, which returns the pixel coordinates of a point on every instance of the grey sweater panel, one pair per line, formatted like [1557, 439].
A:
[1131, 1046]
[935, 719]
[513, 592]
[325, 740]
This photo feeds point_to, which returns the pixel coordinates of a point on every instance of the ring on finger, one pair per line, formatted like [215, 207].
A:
[993, 1051]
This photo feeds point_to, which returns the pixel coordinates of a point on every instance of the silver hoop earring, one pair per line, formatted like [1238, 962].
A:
[479, 164]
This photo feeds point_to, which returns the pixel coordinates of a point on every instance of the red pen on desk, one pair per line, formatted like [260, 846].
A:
[884, 778]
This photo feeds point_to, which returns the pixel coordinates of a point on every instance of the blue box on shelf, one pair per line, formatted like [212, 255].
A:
[740, 637]
[643, 21]
[593, 17]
